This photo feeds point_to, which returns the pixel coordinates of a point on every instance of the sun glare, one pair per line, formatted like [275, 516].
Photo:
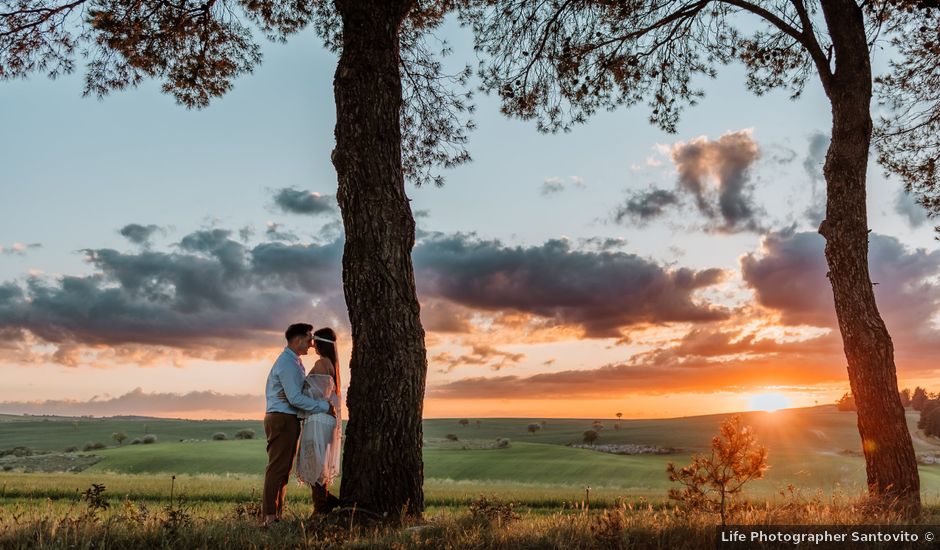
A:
[769, 402]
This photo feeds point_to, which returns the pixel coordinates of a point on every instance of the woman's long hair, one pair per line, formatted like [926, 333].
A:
[328, 350]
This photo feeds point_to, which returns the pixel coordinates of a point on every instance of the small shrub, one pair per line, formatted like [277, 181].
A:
[94, 446]
[71, 449]
[464, 422]
[451, 437]
[7, 467]
[712, 482]
[136, 441]
[148, 439]
[245, 434]
[95, 499]
[589, 437]
[534, 427]
[219, 436]
[119, 437]
[502, 443]
[491, 510]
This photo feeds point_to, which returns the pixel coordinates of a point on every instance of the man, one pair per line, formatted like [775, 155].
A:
[281, 426]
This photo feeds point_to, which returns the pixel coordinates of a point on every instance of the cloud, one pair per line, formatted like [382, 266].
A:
[556, 184]
[213, 298]
[19, 249]
[479, 355]
[139, 402]
[906, 206]
[727, 161]
[668, 376]
[789, 277]
[601, 292]
[275, 233]
[139, 234]
[645, 206]
[294, 201]
[813, 166]
[789, 337]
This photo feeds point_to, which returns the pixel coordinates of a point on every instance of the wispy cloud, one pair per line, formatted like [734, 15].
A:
[139, 402]
[557, 184]
[19, 249]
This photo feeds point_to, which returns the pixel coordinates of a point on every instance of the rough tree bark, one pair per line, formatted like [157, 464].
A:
[382, 460]
[886, 440]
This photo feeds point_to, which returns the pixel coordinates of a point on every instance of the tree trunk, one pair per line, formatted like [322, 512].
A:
[886, 440]
[382, 464]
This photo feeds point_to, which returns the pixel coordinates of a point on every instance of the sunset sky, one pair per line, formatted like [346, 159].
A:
[151, 257]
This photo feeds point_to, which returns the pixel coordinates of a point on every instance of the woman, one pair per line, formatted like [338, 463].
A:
[318, 460]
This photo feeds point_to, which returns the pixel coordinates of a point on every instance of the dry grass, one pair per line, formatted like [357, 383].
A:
[73, 523]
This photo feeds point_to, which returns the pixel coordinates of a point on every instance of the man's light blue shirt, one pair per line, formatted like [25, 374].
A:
[288, 374]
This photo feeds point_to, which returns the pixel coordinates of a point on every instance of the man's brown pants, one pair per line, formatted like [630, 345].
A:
[282, 432]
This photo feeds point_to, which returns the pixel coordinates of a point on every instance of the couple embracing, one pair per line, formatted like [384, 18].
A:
[306, 407]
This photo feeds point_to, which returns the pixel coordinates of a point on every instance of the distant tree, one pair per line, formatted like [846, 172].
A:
[590, 436]
[479, 423]
[619, 416]
[534, 427]
[451, 437]
[597, 425]
[905, 396]
[932, 424]
[712, 482]
[464, 422]
[246, 433]
[846, 403]
[929, 406]
[919, 398]
[75, 425]
[617, 426]
[219, 436]
[71, 449]
[542, 423]
[119, 437]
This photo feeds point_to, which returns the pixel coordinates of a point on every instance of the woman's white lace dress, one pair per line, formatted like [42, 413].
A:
[318, 460]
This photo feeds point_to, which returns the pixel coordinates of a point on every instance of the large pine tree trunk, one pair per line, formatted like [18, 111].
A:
[886, 440]
[382, 464]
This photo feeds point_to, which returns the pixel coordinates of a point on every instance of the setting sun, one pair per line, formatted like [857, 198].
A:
[769, 402]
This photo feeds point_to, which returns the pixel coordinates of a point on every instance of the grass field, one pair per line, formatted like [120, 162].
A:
[814, 448]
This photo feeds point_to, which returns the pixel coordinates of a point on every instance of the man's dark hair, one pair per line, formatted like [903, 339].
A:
[297, 329]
